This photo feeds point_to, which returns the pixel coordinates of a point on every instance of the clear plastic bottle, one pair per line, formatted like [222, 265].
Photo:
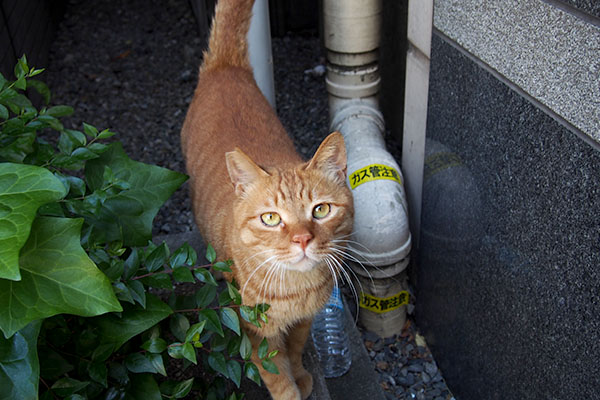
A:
[330, 337]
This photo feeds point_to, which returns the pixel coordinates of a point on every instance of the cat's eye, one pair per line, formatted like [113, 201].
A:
[270, 219]
[321, 210]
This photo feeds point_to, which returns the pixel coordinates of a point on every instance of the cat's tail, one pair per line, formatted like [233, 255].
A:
[227, 45]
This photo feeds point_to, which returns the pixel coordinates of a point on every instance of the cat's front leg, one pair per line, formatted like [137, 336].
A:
[295, 345]
[281, 386]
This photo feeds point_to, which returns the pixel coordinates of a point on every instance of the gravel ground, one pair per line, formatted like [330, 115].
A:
[131, 66]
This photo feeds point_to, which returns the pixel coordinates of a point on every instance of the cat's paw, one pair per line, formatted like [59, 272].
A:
[305, 383]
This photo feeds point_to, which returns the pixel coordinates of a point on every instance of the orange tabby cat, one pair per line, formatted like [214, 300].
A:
[282, 220]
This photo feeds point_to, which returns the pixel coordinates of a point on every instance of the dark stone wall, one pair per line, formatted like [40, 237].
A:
[508, 278]
[27, 27]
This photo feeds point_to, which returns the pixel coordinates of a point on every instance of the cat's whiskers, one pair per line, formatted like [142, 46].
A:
[339, 262]
[261, 265]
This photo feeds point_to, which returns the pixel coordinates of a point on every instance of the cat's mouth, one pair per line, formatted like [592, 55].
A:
[303, 263]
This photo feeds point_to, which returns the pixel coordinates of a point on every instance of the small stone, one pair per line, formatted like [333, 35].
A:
[431, 368]
[415, 368]
[378, 345]
[425, 376]
[382, 365]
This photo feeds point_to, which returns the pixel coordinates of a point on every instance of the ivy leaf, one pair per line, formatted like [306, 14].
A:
[19, 357]
[117, 330]
[230, 319]
[128, 215]
[234, 371]
[57, 277]
[24, 189]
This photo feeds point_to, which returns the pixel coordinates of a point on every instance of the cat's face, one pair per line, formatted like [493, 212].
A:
[293, 218]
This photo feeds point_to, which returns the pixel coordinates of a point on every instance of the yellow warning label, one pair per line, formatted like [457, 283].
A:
[373, 172]
[383, 305]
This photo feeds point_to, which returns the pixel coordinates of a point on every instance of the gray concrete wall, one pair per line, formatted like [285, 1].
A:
[508, 280]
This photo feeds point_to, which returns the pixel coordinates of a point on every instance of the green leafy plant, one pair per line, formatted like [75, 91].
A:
[88, 305]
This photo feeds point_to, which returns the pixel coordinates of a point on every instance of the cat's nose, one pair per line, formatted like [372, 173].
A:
[302, 239]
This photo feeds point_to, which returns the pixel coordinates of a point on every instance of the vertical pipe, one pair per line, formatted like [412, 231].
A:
[259, 47]
[420, 22]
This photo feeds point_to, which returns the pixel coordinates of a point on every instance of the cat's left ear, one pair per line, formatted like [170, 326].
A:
[242, 170]
[330, 157]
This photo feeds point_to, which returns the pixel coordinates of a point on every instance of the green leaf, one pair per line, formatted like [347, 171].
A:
[159, 281]
[205, 295]
[179, 326]
[213, 323]
[270, 366]
[59, 111]
[105, 134]
[139, 363]
[230, 319]
[155, 345]
[117, 330]
[128, 216]
[194, 332]
[19, 366]
[246, 347]
[157, 257]
[67, 386]
[205, 276]
[251, 372]
[263, 348]
[211, 255]
[217, 362]
[234, 372]
[137, 292]
[185, 255]
[143, 387]
[98, 372]
[183, 274]
[41, 88]
[3, 112]
[24, 188]
[177, 390]
[234, 293]
[90, 130]
[157, 362]
[222, 266]
[189, 352]
[132, 264]
[57, 277]
[52, 364]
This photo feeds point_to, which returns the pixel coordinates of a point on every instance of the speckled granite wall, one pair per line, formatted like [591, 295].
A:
[509, 267]
[551, 54]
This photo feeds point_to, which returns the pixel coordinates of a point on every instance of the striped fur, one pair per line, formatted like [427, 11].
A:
[242, 164]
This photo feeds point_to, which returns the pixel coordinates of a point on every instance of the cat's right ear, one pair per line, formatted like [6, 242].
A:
[242, 170]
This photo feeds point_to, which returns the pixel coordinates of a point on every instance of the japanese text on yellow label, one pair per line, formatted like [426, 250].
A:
[383, 305]
[373, 172]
